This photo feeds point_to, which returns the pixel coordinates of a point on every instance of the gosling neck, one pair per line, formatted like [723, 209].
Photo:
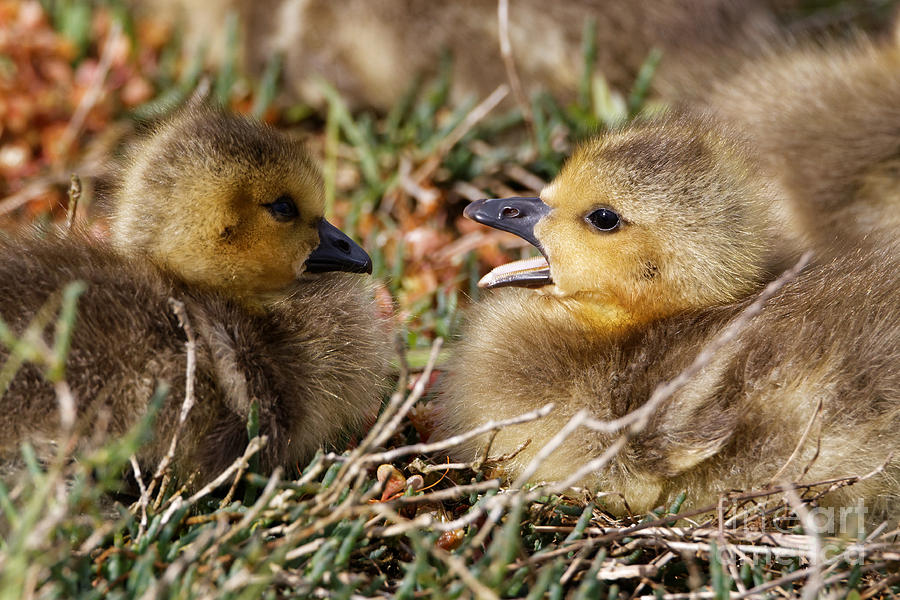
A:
[599, 315]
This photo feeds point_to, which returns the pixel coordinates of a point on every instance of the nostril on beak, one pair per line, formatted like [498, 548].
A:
[343, 246]
[509, 212]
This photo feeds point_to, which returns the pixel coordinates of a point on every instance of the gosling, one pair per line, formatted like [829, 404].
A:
[653, 240]
[825, 121]
[225, 215]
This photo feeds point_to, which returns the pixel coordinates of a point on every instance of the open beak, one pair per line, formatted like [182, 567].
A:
[337, 252]
[518, 216]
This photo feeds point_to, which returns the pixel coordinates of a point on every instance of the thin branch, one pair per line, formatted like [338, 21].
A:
[144, 500]
[550, 447]
[417, 392]
[74, 197]
[253, 447]
[619, 571]
[451, 493]
[462, 571]
[191, 347]
[481, 110]
[457, 439]
[394, 404]
[93, 93]
[800, 442]
[799, 574]
[640, 417]
[67, 411]
[251, 514]
[386, 425]
[509, 63]
[158, 586]
[524, 177]
[814, 581]
[592, 466]
[475, 116]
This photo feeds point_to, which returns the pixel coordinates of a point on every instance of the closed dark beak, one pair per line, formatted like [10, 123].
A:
[337, 252]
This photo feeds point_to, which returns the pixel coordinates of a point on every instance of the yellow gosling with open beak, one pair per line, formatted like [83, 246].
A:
[654, 239]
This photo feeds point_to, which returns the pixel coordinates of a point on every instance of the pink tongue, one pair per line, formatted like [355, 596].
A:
[502, 272]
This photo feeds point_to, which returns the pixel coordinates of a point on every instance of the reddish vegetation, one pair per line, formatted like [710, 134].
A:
[53, 102]
[63, 104]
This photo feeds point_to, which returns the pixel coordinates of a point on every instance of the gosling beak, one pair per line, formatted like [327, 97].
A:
[337, 252]
[518, 216]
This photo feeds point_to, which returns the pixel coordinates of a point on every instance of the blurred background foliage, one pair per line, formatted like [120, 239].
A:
[77, 78]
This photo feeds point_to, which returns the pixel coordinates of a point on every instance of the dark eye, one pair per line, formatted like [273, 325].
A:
[283, 209]
[604, 219]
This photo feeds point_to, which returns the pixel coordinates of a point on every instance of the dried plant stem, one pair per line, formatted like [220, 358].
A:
[74, 197]
[881, 585]
[524, 177]
[26, 194]
[255, 445]
[845, 481]
[799, 574]
[800, 442]
[555, 442]
[444, 467]
[234, 483]
[390, 426]
[93, 93]
[481, 110]
[615, 534]
[67, 410]
[191, 347]
[376, 432]
[39, 185]
[509, 62]
[384, 427]
[303, 550]
[254, 511]
[592, 466]
[144, 500]
[402, 525]
[457, 566]
[814, 581]
[475, 116]
[620, 571]
[175, 569]
[451, 493]
[492, 519]
[638, 419]
[457, 439]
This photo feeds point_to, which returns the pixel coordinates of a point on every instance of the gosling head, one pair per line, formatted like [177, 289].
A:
[229, 204]
[661, 217]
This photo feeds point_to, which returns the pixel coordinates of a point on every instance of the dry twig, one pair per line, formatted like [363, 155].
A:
[800, 442]
[191, 346]
[74, 197]
[93, 93]
[509, 62]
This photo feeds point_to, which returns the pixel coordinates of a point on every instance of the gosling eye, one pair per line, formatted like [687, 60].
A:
[604, 219]
[283, 209]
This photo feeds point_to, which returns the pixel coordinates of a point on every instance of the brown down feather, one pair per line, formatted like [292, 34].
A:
[313, 353]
